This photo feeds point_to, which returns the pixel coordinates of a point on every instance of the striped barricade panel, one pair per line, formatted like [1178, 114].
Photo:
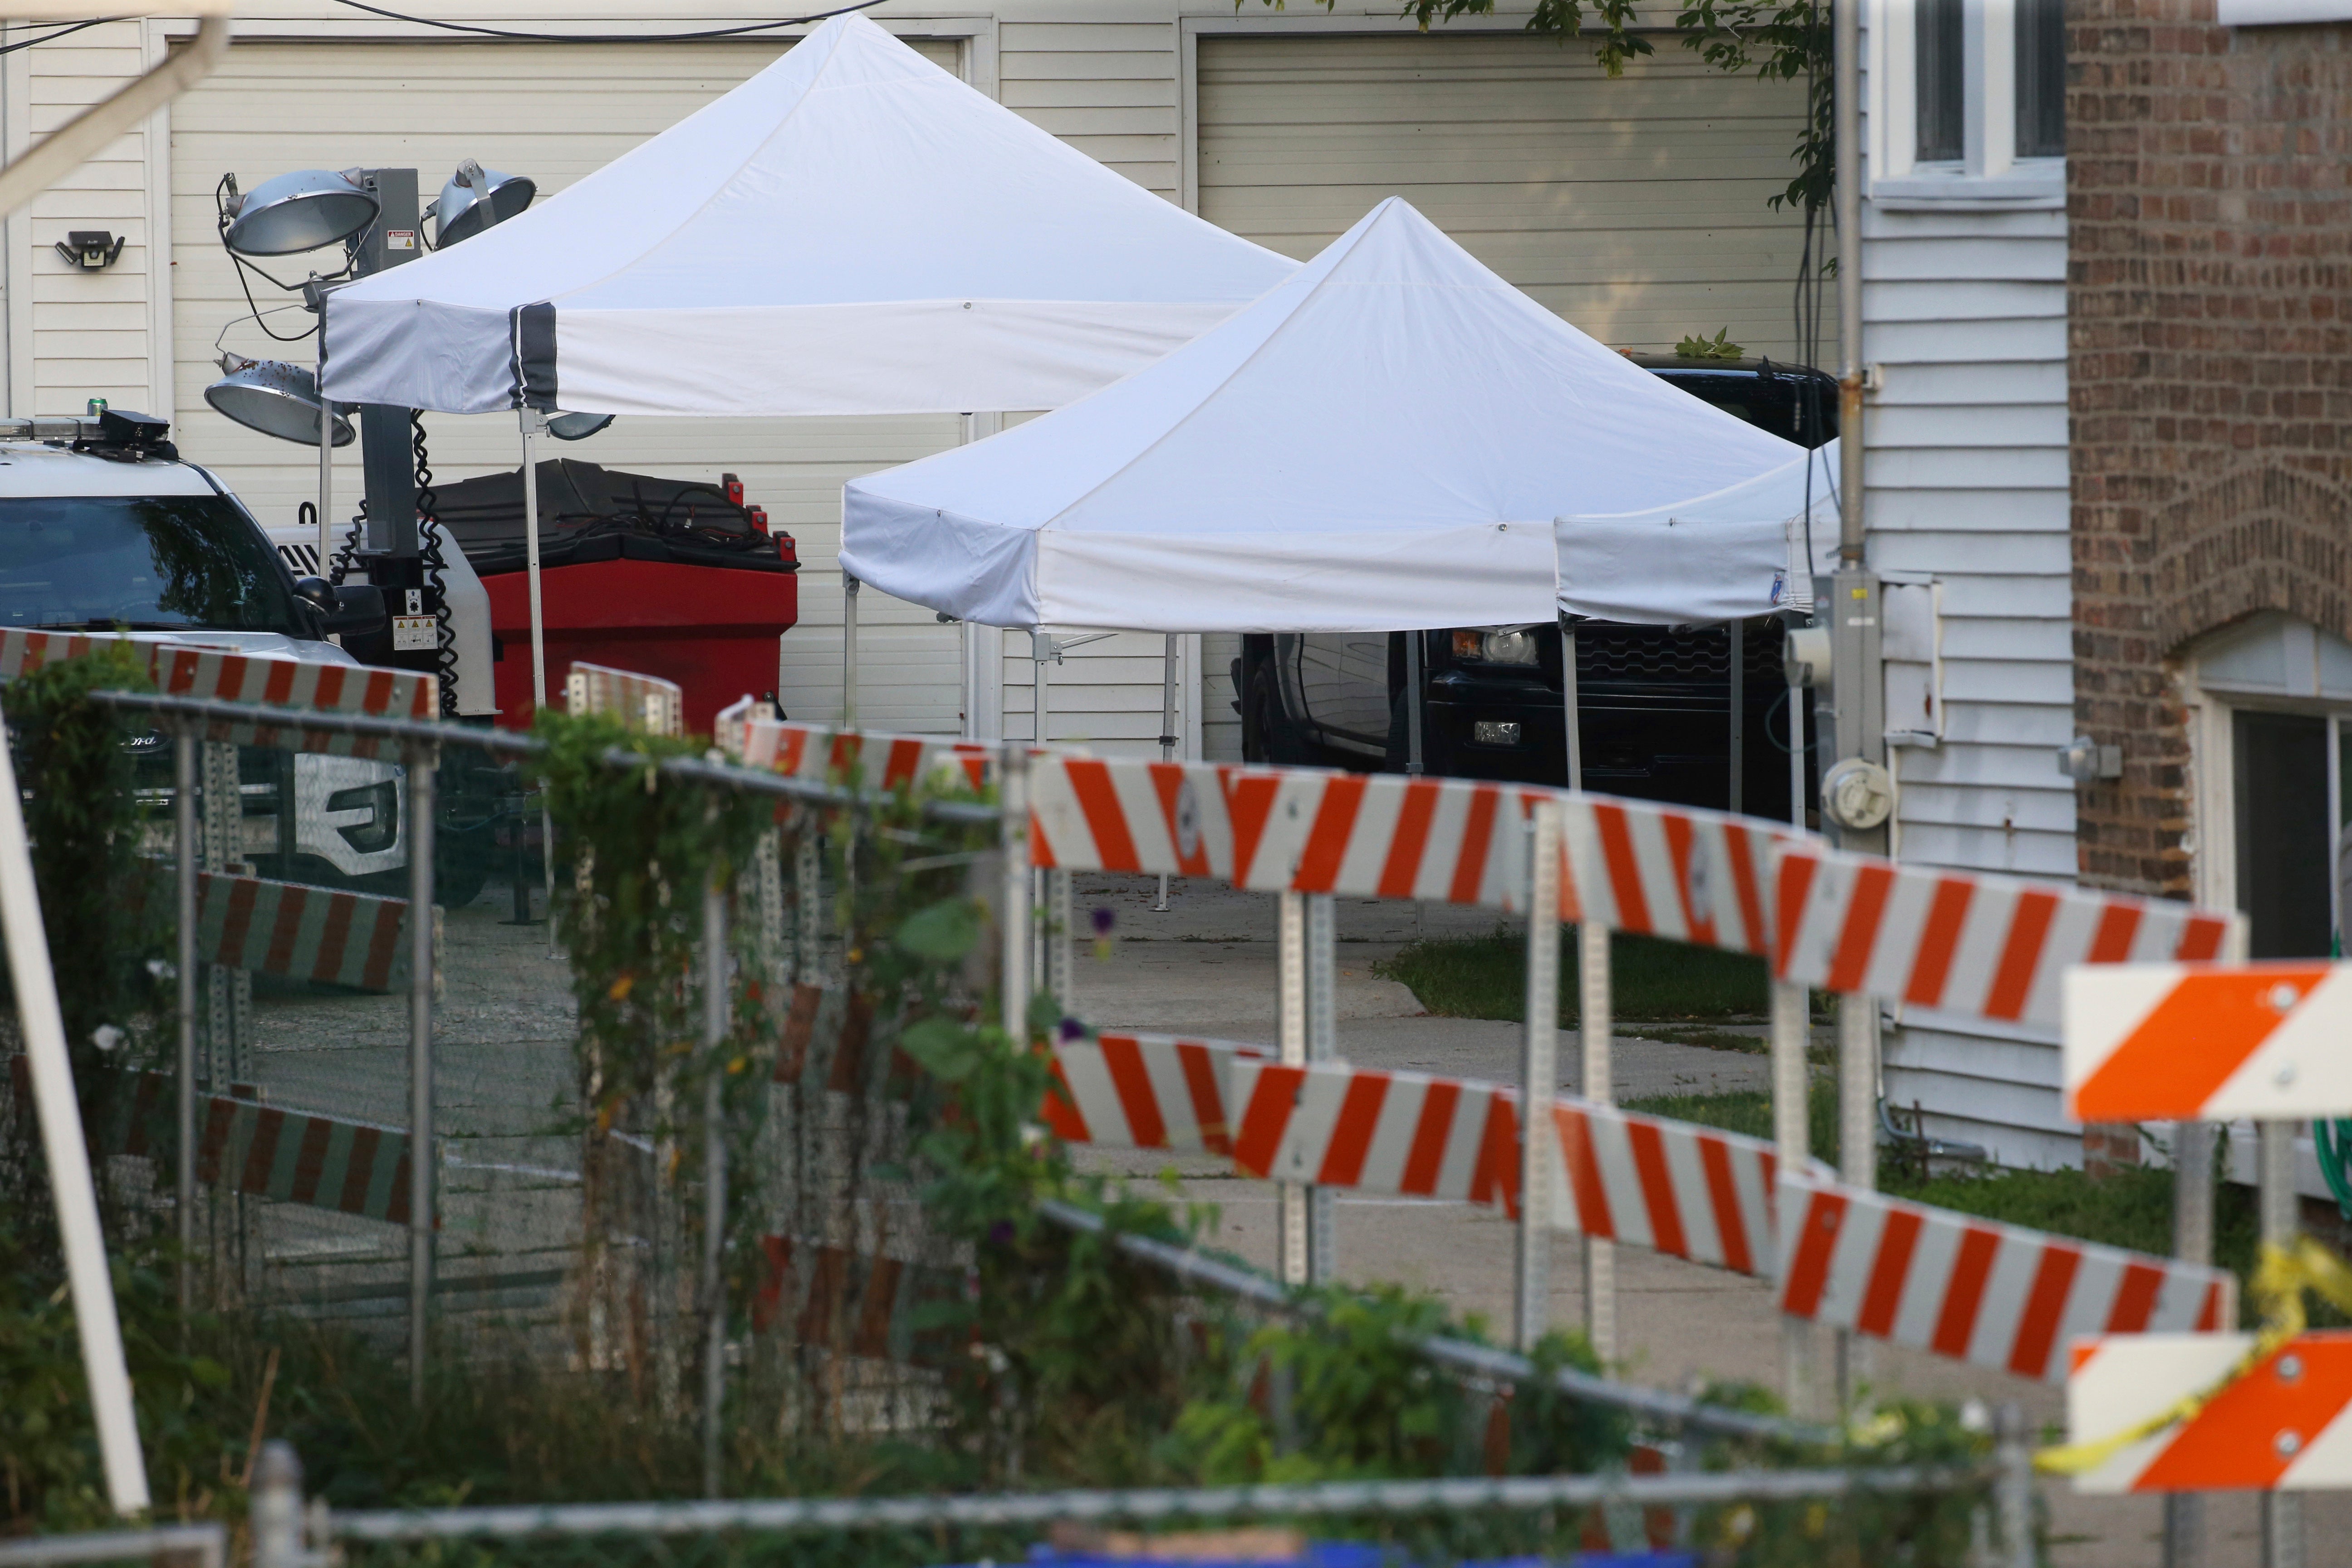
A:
[853, 1302]
[1145, 1091]
[293, 684]
[1308, 830]
[1405, 1134]
[642, 702]
[1686, 1191]
[859, 759]
[1975, 1290]
[2175, 1042]
[1700, 877]
[1984, 946]
[2280, 1427]
[263, 1151]
[301, 933]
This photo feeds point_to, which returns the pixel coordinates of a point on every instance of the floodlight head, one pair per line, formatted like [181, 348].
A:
[474, 198]
[576, 427]
[296, 212]
[273, 397]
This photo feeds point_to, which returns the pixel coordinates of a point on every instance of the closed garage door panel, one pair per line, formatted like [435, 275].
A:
[555, 113]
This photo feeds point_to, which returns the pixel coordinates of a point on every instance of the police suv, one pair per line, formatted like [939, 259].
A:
[104, 527]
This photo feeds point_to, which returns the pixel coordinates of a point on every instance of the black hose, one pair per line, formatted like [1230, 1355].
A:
[436, 566]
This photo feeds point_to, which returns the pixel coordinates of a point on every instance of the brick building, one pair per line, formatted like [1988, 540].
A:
[2210, 371]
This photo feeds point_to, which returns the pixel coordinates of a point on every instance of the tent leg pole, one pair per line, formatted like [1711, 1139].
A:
[849, 586]
[1041, 654]
[1413, 695]
[1568, 704]
[325, 453]
[533, 421]
[1737, 633]
[1167, 733]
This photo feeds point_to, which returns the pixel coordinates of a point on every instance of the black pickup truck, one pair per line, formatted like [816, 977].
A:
[1656, 700]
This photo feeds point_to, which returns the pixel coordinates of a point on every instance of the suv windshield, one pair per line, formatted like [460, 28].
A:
[144, 561]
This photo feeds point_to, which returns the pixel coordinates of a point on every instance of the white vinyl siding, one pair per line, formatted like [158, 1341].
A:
[554, 112]
[92, 333]
[1965, 317]
[1106, 87]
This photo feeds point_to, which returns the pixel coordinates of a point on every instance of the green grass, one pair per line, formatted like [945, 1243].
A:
[1485, 977]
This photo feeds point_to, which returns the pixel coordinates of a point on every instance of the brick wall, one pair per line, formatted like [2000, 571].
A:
[2209, 375]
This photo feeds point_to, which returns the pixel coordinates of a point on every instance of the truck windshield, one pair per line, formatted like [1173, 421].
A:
[147, 562]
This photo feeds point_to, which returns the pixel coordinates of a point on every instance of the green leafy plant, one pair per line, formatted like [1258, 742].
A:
[1703, 347]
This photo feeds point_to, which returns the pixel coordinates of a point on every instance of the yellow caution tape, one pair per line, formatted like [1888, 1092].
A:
[2281, 1278]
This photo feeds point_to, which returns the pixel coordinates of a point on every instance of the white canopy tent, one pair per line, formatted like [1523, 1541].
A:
[1739, 552]
[1381, 442]
[851, 231]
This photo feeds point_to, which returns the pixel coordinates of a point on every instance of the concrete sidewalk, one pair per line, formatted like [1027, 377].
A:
[1207, 966]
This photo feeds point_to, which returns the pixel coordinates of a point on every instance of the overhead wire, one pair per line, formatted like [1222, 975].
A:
[473, 30]
[61, 32]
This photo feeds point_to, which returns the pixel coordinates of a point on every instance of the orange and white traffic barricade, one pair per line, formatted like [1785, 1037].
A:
[1398, 1134]
[642, 702]
[748, 733]
[1985, 946]
[2199, 1417]
[1996, 1295]
[1144, 1091]
[2182, 1042]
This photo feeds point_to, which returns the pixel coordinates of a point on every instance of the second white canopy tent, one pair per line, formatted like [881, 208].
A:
[1393, 438]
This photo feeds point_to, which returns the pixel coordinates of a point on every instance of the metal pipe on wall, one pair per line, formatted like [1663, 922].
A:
[419, 762]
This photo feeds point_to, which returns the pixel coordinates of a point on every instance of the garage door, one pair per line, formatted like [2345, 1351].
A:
[554, 112]
[1637, 208]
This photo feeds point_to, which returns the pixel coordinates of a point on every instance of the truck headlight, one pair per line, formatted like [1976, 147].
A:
[381, 801]
[1497, 644]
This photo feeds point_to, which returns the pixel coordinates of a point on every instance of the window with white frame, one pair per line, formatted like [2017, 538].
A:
[1971, 100]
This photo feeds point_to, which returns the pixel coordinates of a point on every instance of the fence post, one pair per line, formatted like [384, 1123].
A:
[183, 857]
[1013, 932]
[2282, 1535]
[1594, 1024]
[2192, 1242]
[1858, 1141]
[1322, 1045]
[419, 762]
[1539, 1075]
[714, 1172]
[1792, 1147]
[276, 1505]
[2014, 1487]
[1290, 1037]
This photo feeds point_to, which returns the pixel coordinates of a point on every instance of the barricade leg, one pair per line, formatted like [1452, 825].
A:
[714, 1174]
[1596, 1022]
[1322, 978]
[1290, 980]
[1538, 1076]
[1858, 1141]
[2192, 1242]
[2282, 1538]
[1793, 1145]
[420, 761]
[1060, 981]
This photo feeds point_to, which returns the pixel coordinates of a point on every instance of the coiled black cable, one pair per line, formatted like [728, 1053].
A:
[347, 555]
[436, 566]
